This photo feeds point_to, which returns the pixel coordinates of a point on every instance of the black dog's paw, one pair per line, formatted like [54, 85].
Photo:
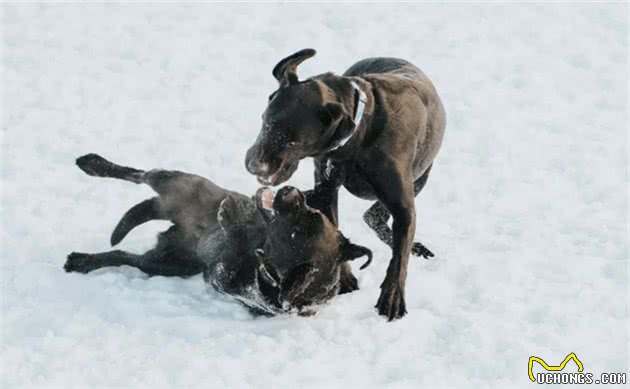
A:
[420, 250]
[228, 212]
[391, 302]
[80, 263]
[347, 281]
[92, 164]
[334, 173]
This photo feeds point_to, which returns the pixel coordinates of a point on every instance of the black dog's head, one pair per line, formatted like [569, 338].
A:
[302, 119]
[304, 249]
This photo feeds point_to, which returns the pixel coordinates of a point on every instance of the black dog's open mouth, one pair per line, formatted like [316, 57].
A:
[284, 172]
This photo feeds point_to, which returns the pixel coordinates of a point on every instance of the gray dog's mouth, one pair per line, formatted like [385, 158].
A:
[284, 172]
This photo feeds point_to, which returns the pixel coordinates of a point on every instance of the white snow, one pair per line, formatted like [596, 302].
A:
[526, 207]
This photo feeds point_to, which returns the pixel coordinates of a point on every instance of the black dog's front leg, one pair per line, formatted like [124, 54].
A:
[329, 177]
[324, 198]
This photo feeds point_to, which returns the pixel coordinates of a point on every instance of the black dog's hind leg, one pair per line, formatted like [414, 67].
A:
[97, 166]
[85, 263]
[153, 263]
[377, 215]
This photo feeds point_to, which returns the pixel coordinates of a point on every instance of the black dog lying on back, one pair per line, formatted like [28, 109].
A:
[273, 261]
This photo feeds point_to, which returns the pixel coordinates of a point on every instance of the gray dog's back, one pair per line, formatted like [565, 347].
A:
[385, 65]
[376, 65]
[394, 70]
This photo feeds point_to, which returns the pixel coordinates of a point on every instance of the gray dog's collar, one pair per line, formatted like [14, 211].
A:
[358, 115]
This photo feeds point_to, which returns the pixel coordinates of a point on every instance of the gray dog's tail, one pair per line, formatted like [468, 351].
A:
[97, 166]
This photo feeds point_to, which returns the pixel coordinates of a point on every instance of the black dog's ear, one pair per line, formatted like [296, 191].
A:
[350, 251]
[286, 70]
[335, 115]
[227, 214]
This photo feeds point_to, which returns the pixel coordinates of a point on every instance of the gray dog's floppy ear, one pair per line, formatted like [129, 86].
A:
[286, 70]
[336, 116]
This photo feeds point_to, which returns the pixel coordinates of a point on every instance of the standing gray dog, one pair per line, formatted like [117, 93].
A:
[379, 127]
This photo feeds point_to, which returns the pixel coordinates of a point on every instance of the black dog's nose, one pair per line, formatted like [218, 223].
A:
[289, 193]
[288, 199]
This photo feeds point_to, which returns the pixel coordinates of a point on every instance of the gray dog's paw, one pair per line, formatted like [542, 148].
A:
[391, 302]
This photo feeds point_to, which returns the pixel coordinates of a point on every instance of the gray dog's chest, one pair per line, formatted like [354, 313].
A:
[355, 180]
[357, 184]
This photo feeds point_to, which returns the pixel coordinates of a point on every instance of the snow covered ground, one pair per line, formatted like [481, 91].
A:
[526, 208]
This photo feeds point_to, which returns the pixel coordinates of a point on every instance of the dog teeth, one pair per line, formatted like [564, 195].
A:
[271, 180]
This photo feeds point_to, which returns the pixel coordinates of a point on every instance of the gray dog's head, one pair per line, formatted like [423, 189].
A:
[302, 119]
[304, 249]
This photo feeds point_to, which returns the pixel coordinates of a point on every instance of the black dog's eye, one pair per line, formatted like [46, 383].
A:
[293, 144]
[295, 232]
[271, 96]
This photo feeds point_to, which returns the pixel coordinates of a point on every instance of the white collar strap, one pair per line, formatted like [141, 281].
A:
[358, 115]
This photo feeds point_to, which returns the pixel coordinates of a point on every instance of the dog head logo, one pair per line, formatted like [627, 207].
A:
[561, 366]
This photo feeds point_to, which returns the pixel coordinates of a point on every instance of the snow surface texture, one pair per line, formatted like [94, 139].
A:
[526, 208]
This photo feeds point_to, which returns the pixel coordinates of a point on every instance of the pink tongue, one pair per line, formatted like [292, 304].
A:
[267, 198]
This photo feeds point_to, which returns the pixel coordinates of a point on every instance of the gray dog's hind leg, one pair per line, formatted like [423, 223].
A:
[377, 215]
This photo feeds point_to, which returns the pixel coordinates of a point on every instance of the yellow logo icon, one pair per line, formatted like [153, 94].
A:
[547, 367]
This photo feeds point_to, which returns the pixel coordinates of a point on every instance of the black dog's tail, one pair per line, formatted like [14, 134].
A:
[136, 215]
[95, 165]
[351, 251]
